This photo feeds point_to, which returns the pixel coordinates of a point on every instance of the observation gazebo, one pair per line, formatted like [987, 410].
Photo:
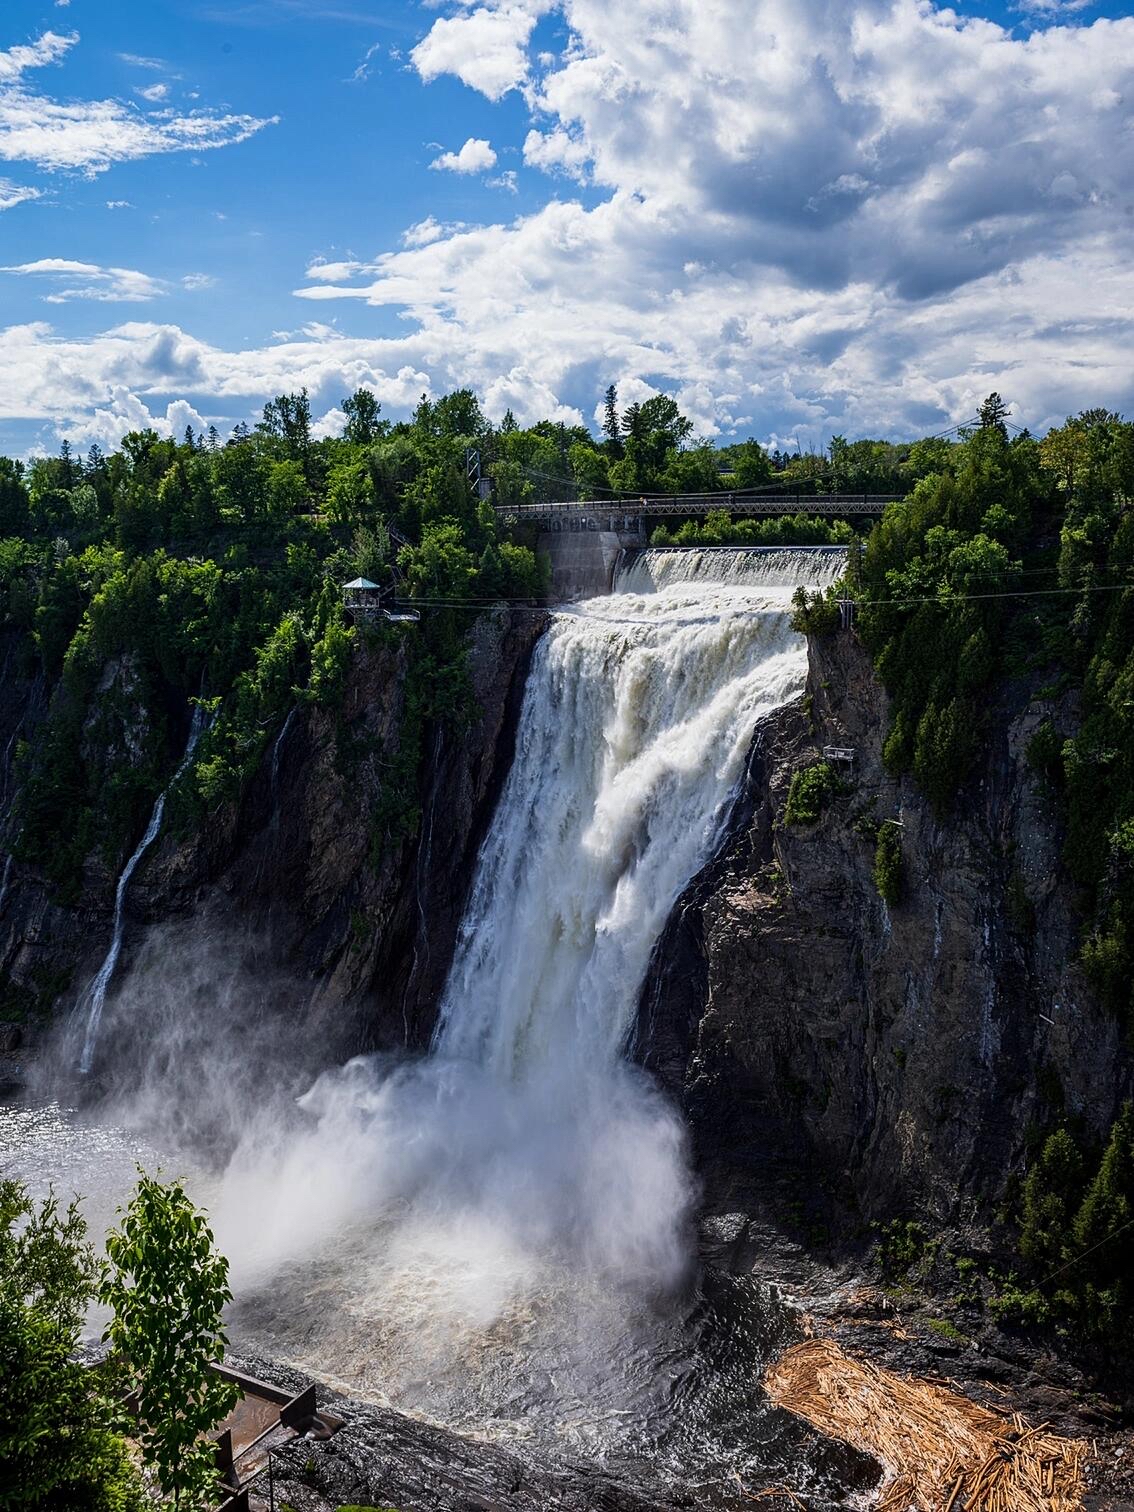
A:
[365, 602]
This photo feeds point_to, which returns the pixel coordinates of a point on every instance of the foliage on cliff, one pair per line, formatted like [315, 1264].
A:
[1017, 558]
[718, 528]
[179, 570]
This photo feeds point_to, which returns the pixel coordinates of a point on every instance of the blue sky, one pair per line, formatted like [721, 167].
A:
[800, 216]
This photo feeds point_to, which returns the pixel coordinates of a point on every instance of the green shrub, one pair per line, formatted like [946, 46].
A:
[810, 789]
[814, 613]
[889, 875]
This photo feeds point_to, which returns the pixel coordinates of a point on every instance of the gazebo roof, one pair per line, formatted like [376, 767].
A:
[361, 582]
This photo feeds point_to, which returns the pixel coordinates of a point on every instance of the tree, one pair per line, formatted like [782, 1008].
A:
[752, 467]
[58, 1445]
[13, 498]
[611, 423]
[286, 426]
[993, 413]
[363, 425]
[660, 413]
[167, 1286]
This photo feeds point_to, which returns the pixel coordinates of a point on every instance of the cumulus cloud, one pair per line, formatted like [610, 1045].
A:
[81, 280]
[89, 135]
[47, 49]
[485, 46]
[476, 156]
[861, 222]
[1053, 7]
[422, 233]
[814, 204]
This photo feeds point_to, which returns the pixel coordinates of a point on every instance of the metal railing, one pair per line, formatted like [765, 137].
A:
[693, 504]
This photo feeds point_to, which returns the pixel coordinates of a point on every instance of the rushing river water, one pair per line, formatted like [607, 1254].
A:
[500, 1235]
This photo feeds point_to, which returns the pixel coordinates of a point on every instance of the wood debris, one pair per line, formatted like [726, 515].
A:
[941, 1452]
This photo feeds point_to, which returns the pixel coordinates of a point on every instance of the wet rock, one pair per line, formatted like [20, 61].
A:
[894, 1058]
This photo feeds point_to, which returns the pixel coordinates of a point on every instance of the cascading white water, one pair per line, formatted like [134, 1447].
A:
[94, 997]
[525, 1158]
[751, 566]
[638, 714]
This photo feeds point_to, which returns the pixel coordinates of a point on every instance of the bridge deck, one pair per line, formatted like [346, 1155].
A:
[570, 510]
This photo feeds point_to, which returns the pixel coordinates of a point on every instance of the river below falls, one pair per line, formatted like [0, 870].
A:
[665, 1393]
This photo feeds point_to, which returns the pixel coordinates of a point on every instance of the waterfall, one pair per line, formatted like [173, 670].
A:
[638, 713]
[277, 748]
[526, 1183]
[752, 566]
[95, 995]
[4, 883]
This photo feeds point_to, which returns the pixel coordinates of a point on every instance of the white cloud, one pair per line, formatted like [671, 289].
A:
[124, 411]
[842, 186]
[365, 67]
[334, 272]
[1053, 7]
[420, 235]
[81, 280]
[16, 194]
[48, 49]
[155, 93]
[862, 224]
[90, 135]
[119, 205]
[486, 47]
[557, 150]
[476, 156]
[505, 180]
[157, 65]
[195, 281]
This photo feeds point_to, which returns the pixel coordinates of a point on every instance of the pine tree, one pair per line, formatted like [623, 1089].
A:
[993, 413]
[612, 424]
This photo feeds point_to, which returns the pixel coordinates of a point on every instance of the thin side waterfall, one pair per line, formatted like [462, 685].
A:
[94, 997]
[4, 883]
[277, 749]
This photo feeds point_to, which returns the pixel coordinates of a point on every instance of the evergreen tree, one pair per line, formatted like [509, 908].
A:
[993, 413]
[612, 424]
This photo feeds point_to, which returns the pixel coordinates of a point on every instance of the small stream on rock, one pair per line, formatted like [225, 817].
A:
[500, 1236]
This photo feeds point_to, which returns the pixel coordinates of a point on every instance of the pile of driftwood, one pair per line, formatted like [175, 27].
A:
[941, 1452]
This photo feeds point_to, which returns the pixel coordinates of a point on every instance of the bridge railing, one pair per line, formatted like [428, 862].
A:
[693, 504]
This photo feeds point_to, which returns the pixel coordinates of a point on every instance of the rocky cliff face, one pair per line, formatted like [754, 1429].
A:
[350, 937]
[903, 1052]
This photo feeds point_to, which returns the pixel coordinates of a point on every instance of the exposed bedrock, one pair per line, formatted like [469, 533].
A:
[293, 888]
[899, 1054]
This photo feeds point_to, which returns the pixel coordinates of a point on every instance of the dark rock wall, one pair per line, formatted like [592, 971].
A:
[899, 1055]
[354, 936]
